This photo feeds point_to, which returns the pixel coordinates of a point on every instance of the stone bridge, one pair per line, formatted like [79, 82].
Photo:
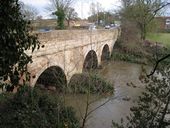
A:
[71, 51]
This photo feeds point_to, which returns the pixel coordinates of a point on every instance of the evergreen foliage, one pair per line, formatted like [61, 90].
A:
[60, 13]
[152, 106]
[31, 108]
[15, 39]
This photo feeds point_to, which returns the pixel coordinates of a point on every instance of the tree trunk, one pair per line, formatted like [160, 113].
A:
[143, 32]
[68, 23]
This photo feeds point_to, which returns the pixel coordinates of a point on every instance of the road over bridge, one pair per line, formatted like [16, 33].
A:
[70, 52]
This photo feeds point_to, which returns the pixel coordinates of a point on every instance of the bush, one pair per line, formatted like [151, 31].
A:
[30, 108]
[16, 38]
[152, 107]
[129, 57]
[84, 83]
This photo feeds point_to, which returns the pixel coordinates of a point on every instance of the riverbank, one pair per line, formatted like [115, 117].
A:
[163, 38]
[105, 108]
[146, 52]
[123, 78]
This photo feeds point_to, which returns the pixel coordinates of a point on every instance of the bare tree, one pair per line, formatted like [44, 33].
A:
[70, 15]
[59, 8]
[142, 12]
[29, 11]
[95, 9]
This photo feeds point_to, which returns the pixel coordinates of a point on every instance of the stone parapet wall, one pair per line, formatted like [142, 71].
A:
[59, 40]
[63, 35]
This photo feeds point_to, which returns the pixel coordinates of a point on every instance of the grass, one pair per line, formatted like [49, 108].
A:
[163, 38]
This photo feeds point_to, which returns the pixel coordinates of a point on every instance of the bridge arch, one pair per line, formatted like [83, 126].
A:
[105, 55]
[79, 50]
[53, 76]
[90, 61]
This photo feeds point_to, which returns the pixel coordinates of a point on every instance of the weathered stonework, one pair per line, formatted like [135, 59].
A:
[68, 49]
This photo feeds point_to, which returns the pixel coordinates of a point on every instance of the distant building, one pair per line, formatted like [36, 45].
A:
[164, 22]
[167, 23]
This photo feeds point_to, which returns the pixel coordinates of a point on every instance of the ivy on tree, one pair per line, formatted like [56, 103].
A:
[60, 8]
[61, 17]
[15, 39]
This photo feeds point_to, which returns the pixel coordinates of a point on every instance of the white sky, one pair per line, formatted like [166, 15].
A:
[81, 6]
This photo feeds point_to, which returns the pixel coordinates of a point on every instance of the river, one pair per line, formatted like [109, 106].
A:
[117, 106]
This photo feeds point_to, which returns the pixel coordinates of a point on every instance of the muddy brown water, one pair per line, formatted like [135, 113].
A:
[116, 106]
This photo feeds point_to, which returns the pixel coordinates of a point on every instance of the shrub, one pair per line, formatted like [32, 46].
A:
[84, 83]
[15, 39]
[30, 108]
[152, 107]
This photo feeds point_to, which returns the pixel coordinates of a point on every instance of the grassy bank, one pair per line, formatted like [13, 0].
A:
[146, 52]
[130, 52]
[121, 55]
[163, 38]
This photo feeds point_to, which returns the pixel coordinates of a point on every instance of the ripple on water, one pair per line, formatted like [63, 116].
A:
[118, 73]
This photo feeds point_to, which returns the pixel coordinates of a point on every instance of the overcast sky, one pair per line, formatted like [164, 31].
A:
[81, 7]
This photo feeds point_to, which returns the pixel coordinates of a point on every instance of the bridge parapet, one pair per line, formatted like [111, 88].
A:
[64, 35]
[59, 40]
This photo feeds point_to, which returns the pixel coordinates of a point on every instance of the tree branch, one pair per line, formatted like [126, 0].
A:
[101, 105]
[156, 65]
[156, 10]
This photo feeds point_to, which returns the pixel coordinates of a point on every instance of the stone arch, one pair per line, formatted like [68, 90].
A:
[40, 64]
[90, 61]
[105, 53]
[53, 76]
